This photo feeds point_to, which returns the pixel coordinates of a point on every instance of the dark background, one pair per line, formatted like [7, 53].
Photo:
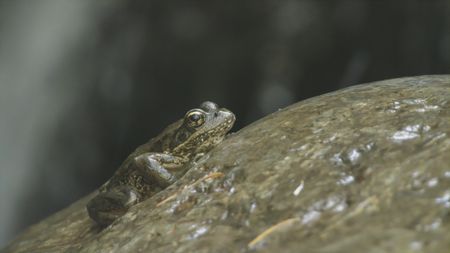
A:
[82, 83]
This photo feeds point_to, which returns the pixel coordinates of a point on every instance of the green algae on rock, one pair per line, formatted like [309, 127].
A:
[366, 168]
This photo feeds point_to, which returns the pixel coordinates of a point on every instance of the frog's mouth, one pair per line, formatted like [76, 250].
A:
[215, 135]
[229, 116]
[226, 126]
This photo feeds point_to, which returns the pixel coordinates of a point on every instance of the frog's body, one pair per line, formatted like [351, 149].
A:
[158, 163]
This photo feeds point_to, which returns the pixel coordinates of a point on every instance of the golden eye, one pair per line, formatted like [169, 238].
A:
[195, 118]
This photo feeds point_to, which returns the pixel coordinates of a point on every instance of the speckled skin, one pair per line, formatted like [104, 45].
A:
[158, 163]
[363, 169]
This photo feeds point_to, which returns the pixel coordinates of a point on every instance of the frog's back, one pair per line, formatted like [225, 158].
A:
[160, 143]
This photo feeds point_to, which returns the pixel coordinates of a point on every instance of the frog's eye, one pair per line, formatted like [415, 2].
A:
[195, 118]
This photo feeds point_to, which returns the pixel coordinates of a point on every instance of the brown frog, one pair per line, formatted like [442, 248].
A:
[161, 161]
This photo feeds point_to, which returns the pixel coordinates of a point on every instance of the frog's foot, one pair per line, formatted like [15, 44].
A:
[108, 206]
[153, 167]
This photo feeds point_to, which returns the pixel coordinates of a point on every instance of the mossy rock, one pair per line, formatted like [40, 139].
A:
[363, 169]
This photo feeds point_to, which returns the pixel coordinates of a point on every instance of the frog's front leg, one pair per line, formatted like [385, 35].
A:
[155, 167]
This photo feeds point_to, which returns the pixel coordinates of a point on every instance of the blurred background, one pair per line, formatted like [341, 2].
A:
[82, 83]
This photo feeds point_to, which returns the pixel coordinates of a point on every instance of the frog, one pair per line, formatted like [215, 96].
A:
[161, 161]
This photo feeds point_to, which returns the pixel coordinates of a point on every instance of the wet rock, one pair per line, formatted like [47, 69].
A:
[363, 169]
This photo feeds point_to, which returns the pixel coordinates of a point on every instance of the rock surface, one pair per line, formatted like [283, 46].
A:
[364, 169]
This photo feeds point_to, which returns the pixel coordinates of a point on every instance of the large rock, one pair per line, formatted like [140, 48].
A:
[364, 169]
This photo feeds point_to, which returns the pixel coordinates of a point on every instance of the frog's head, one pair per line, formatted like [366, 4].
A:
[202, 129]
